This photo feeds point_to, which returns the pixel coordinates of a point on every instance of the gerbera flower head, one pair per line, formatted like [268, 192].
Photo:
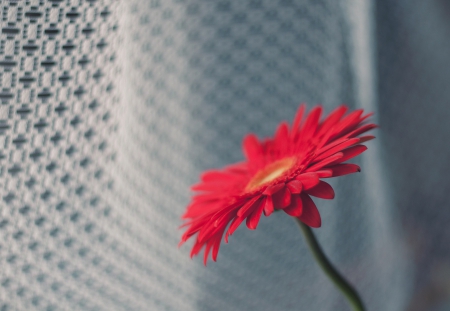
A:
[279, 173]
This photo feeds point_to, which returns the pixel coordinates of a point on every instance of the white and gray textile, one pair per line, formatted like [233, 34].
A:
[110, 109]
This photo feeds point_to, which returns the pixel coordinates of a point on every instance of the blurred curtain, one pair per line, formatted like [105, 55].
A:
[413, 57]
[111, 109]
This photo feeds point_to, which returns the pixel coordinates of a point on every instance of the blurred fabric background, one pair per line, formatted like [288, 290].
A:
[110, 110]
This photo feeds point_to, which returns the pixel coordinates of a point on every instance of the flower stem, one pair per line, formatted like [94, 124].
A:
[348, 291]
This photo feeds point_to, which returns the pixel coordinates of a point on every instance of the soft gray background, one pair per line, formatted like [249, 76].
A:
[111, 109]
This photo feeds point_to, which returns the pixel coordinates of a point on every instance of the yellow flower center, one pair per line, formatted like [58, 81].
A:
[270, 173]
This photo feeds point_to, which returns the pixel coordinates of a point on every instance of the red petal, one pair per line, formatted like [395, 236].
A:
[193, 229]
[273, 189]
[323, 190]
[210, 186]
[350, 153]
[311, 123]
[326, 145]
[234, 225]
[298, 119]
[239, 219]
[209, 229]
[196, 249]
[223, 220]
[237, 168]
[207, 250]
[324, 173]
[295, 208]
[207, 197]
[362, 129]
[196, 209]
[324, 140]
[295, 186]
[345, 144]
[363, 139]
[334, 158]
[366, 116]
[332, 119]
[344, 169]
[216, 247]
[310, 215]
[217, 176]
[246, 208]
[252, 147]
[268, 206]
[281, 138]
[282, 198]
[349, 122]
[253, 219]
[308, 180]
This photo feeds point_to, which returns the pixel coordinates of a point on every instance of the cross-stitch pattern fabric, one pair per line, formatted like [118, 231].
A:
[111, 109]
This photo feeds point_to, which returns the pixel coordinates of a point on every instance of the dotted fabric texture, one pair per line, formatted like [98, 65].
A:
[110, 109]
[63, 245]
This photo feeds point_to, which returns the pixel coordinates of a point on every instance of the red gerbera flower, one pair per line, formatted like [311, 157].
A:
[279, 173]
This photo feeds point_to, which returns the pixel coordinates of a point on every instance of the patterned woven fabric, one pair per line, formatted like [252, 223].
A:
[64, 245]
[110, 110]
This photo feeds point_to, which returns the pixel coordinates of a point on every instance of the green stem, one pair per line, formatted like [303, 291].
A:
[348, 291]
